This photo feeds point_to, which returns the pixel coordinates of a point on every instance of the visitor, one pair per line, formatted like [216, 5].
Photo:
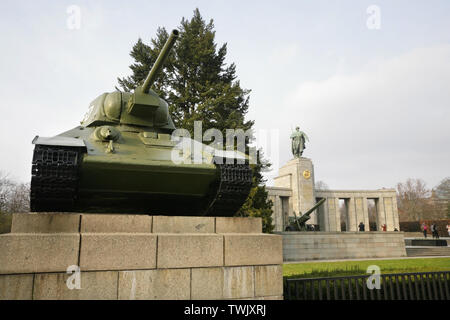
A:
[434, 231]
[383, 227]
[396, 229]
[361, 226]
[425, 229]
[448, 229]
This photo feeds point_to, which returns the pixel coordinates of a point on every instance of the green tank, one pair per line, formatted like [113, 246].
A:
[119, 161]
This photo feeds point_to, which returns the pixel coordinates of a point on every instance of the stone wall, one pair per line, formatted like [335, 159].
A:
[301, 246]
[357, 208]
[294, 191]
[328, 215]
[139, 257]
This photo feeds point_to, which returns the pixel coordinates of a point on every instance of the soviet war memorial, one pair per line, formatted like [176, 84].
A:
[242, 159]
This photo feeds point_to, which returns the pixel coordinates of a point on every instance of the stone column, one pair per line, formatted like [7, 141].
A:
[395, 213]
[366, 214]
[325, 217]
[381, 214]
[298, 174]
[389, 215]
[278, 212]
[285, 210]
[359, 207]
[351, 213]
[330, 211]
[337, 214]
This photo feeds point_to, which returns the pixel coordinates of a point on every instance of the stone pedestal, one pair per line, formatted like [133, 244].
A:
[139, 257]
[298, 175]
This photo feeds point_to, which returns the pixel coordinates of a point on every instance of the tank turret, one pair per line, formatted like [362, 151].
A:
[143, 107]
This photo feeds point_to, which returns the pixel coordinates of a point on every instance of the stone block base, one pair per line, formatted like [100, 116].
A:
[138, 257]
[302, 246]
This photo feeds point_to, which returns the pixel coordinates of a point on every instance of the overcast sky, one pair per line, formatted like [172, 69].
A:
[375, 102]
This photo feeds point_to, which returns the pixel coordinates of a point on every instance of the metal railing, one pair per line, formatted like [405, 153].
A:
[398, 286]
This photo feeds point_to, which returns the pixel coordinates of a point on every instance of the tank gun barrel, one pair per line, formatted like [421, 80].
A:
[151, 77]
[318, 204]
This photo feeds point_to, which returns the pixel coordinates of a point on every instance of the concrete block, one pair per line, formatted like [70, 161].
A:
[16, 287]
[238, 225]
[31, 253]
[167, 284]
[343, 245]
[94, 286]
[190, 250]
[238, 283]
[45, 223]
[165, 224]
[264, 298]
[117, 251]
[268, 280]
[207, 283]
[253, 249]
[111, 223]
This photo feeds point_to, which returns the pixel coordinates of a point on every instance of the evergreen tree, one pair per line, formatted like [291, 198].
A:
[257, 203]
[199, 86]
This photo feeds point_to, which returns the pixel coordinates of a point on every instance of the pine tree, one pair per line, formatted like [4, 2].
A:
[257, 203]
[199, 86]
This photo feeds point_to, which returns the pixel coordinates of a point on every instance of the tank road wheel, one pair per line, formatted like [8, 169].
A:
[54, 178]
[233, 189]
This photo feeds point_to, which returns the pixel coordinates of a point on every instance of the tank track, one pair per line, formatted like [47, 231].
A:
[55, 175]
[54, 178]
[234, 186]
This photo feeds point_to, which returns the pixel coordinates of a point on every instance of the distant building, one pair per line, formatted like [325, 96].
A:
[294, 191]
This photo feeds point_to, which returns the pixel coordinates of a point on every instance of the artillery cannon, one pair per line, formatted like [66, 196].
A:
[299, 223]
[119, 160]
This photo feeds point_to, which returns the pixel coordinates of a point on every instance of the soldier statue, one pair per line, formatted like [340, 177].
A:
[298, 142]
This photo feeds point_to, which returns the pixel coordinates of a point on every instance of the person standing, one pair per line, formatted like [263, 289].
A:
[448, 229]
[361, 227]
[425, 229]
[434, 230]
[383, 227]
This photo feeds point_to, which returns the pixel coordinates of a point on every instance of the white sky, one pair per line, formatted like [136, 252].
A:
[375, 103]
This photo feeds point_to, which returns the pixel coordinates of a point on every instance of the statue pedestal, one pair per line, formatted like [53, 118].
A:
[298, 175]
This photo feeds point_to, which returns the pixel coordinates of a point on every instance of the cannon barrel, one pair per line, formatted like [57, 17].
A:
[151, 77]
[318, 204]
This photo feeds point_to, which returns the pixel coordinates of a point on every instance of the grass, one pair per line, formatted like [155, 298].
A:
[348, 268]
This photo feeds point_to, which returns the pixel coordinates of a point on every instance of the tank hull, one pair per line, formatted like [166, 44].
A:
[87, 178]
[144, 186]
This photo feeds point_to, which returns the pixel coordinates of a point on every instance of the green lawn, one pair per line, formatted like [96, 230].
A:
[344, 268]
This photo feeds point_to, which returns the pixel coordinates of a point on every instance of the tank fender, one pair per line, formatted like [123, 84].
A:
[59, 141]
